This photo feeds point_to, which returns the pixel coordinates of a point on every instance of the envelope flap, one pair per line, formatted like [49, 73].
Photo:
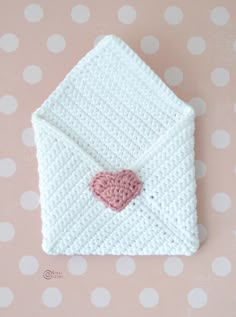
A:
[113, 106]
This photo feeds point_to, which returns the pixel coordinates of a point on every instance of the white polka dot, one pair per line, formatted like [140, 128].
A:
[149, 297]
[32, 74]
[234, 45]
[56, 43]
[219, 16]
[28, 265]
[9, 42]
[197, 298]
[29, 200]
[202, 232]
[196, 45]
[220, 139]
[7, 167]
[200, 169]
[77, 265]
[150, 44]
[33, 13]
[98, 39]
[125, 265]
[221, 202]
[221, 266]
[52, 297]
[173, 76]
[173, 266]
[28, 137]
[80, 13]
[127, 14]
[8, 104]
[173, 15]
[220, 77]
[199, 105]
[100, 297]
[6, 296]
[7, 231]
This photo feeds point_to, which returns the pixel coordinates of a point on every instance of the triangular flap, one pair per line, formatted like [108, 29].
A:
[113, 105]
[63, 177]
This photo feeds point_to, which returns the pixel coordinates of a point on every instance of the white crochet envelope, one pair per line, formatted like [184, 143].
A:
[115, 150]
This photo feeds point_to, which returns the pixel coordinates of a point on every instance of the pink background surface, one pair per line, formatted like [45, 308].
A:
[192, 46]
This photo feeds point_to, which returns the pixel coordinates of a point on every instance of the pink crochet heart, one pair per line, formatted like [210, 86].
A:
[116, 190]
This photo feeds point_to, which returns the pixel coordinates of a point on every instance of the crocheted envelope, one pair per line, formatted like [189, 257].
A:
[115, 151]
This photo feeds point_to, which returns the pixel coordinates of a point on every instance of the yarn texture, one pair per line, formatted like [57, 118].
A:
[116, 190]
[111, 115]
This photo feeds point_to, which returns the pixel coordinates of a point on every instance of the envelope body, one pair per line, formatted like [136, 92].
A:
[110, 113]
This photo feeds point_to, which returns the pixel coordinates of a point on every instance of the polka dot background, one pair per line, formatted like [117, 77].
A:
[192, 47]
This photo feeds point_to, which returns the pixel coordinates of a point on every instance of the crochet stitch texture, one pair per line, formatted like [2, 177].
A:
[113, 113]
[116, 190]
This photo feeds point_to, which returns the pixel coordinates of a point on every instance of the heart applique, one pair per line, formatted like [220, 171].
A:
[116, 190]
